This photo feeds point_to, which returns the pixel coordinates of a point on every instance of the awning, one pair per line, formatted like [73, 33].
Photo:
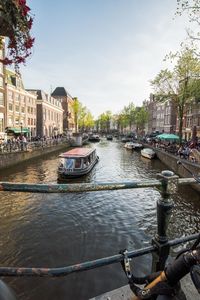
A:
[18, 130]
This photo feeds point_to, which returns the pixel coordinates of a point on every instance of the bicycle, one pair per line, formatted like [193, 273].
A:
[165, 285]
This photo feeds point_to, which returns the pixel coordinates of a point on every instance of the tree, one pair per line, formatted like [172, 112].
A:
[192, 9]
[141, 118]
[105, 120]
[76, 110]
[89, 120]
[121, 122]
[82, 118]
[129, 112]
[176, 84]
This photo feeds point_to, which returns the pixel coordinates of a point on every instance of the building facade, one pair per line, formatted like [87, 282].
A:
[161, 116]
[49, 115]
[21, 107]
[2, 91]
[67, 104]
[191, 120]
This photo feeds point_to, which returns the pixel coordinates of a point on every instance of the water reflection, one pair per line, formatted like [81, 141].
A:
[62, 229]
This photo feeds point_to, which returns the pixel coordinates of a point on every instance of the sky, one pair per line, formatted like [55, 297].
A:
[105, 52]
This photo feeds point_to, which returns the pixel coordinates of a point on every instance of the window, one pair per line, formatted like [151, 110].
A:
[17, 97]
[1, 68]
[17, 108]
[17, 120]
[23, 109]
[10, 96]
[1, 99]
[1, 81]
[69, 163]
[77, 163]
[10, 121]
[10, 106]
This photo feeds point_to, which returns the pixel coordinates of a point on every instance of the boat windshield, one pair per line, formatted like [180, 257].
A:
[77, 163]
[69, 163]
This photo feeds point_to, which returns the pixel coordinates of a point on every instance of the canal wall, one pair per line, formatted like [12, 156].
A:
[10, 159]
[171, 161]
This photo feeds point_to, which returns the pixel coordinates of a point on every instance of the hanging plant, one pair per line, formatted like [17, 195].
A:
[16, 23]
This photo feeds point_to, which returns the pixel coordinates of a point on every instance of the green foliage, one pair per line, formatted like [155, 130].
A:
[141, 118]
[179, 85]
[82, 116]
[105, 120]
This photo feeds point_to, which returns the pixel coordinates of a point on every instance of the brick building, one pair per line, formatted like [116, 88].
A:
[49, 114]
[21, 107]
[162, 116]
[67, 102]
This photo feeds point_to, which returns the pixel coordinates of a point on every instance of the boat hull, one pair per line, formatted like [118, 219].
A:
[148, 154]
[62, 175]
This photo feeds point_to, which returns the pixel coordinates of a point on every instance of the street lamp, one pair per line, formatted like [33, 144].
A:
[21, 126]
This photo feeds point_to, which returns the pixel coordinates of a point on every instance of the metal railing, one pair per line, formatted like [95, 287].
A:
[166, 182]
[18, 146]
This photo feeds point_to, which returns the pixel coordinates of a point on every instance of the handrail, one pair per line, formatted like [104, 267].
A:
[167, 182]
[88, 265]
[85, 187]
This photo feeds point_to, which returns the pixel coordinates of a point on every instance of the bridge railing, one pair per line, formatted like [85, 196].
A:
[167, 183]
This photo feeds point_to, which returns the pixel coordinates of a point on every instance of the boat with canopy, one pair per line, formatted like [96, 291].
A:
[76, 162]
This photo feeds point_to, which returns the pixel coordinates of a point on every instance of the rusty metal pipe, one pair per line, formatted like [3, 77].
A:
[63, 271]
[85, 187]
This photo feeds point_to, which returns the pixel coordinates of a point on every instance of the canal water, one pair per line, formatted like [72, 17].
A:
[55, 230]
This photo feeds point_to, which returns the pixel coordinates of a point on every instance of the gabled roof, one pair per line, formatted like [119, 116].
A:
[61, 92]
[41, 95]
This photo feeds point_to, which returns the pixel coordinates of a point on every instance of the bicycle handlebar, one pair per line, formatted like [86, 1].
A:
[172, 274]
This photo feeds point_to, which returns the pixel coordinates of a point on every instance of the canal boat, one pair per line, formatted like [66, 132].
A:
[94, 138]
[148, 153]
[129, 145]
[109, 137]
[137, 146]
[76, 162]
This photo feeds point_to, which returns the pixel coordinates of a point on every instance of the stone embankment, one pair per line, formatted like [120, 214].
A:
[9, 159]
[172, 162]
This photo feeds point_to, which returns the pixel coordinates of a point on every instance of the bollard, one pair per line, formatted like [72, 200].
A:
[164, 208]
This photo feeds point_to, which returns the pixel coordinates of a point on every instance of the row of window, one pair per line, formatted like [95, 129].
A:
[17, 121]
[21, 98]
[30, 110]
[51, 116]
[54, 101]
[31, 121]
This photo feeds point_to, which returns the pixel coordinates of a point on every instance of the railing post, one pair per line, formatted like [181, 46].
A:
[164, 209]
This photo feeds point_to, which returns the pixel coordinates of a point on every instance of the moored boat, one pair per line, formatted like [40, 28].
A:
[137, 146]
[148, 153]
[94, 138]
[129, 145]
[76, 162]
[109, 137]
